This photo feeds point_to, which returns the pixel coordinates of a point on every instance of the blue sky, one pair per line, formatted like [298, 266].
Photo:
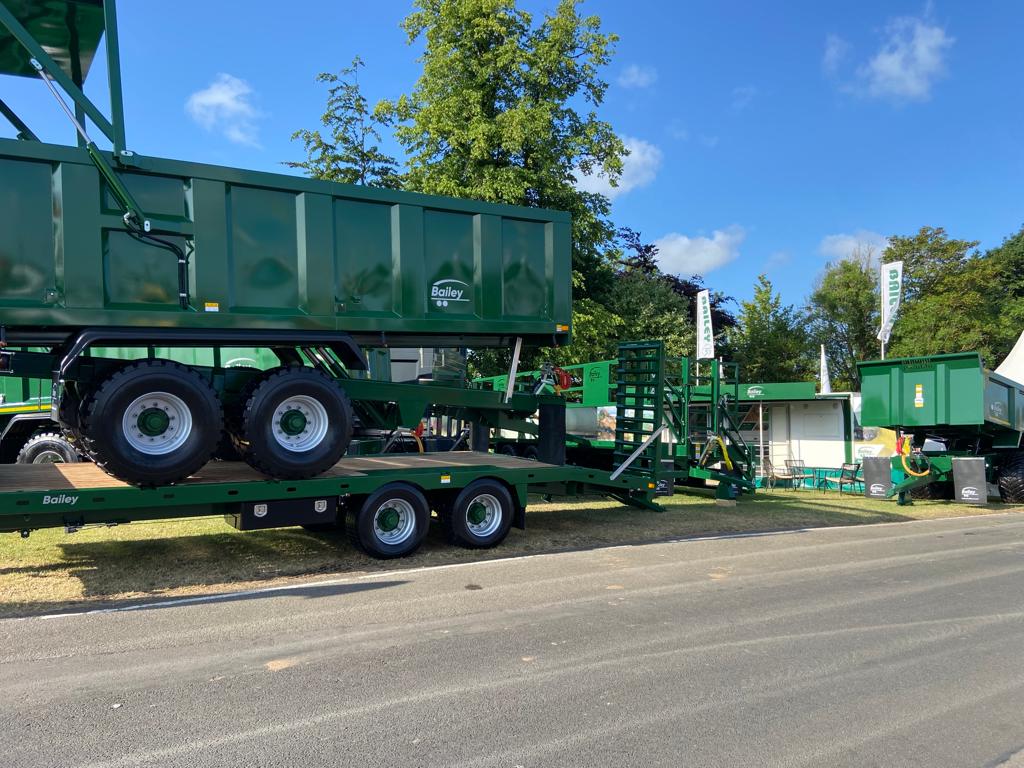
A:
[766, 137]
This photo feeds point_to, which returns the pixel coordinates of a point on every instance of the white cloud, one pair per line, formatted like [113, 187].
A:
[635, 76]
[836, 50]
[776, 260]
[683, 255]
[226, 106]
[845, 244]
[639, 168]
[742, 96]
[678, 131]
[708, 141]
[909, 62]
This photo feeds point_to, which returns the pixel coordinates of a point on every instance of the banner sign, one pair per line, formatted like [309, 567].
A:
[705, 333]
[826, 380]
[891, 280]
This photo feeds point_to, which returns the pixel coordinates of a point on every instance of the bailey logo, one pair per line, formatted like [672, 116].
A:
[969, 493]
[997, 408]
[755, 391]
[320, 506]
[444, 291]
[60, 499]
[877, 489]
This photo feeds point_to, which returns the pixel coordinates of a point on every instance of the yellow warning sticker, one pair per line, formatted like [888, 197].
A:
[446, 479]
[919, 395]
[211, 306]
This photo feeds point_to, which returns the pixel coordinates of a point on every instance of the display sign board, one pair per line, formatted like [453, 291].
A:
[969, 481]
[877, 476]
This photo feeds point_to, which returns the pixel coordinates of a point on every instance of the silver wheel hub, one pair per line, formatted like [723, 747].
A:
[157, 423]
[394, 521]
[300, 423]
[48, 457]
[483, 515]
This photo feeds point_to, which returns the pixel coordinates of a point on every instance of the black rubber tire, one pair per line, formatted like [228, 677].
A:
[1011, 478]
[507, 449]
[103, 409]
[933, 492]
[360, 521]
[254, 437]
[456, 522]
[47, 448]
[531, 453]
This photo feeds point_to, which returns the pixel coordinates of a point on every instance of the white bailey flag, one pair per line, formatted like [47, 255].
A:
[826, 381]
[705, 332]
[891, 281]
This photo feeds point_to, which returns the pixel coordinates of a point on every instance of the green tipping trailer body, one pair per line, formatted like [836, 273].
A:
[945, 397]
[954, 400]
[270, 251]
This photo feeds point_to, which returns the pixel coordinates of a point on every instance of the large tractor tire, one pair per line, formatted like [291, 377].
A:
[933, 492]
[151, 423]
[1011, 479]
[295, 423]
[48, 448]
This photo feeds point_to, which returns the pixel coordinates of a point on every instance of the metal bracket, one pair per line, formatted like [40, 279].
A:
[134, 218]
[635, 454]
[510, 387]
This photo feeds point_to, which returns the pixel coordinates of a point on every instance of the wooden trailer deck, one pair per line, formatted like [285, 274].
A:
[41, 478]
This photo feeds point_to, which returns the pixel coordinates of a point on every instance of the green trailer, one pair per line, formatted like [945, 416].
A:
[943, 407]
[614, 406]
[112, 249]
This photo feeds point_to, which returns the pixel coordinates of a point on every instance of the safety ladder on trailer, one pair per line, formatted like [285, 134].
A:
[646, 421]
[675, 421]
[711, 390]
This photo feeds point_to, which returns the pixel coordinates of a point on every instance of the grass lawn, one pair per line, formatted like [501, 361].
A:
[101, 566]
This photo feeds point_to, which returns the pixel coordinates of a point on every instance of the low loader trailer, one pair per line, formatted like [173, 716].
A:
[386, 501]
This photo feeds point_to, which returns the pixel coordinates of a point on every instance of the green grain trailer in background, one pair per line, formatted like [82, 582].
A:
[956, 402]
[110, 248]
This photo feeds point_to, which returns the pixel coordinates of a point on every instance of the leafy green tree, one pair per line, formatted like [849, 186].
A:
[350, 152]
[951, 296]
[1008, 259]
[929, 258]
[770, 342]
[843, 311]
[505, 111]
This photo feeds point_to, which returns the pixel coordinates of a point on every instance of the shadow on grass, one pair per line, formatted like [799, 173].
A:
[209, 557]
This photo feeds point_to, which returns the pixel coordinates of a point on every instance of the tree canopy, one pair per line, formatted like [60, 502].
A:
[507, 109]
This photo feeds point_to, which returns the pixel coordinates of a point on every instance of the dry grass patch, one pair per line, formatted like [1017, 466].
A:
[54, 571]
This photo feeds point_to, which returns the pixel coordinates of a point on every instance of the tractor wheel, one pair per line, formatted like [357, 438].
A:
[933, 492]
[1011, 479]
[391, 522]
[48, 448]
[531, 453]
[296, 423]
[152, 422]
[481, 515]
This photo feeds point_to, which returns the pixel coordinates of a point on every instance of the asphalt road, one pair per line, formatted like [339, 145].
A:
[891, 645]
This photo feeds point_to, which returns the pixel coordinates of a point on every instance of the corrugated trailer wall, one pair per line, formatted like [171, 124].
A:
[273, 251]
